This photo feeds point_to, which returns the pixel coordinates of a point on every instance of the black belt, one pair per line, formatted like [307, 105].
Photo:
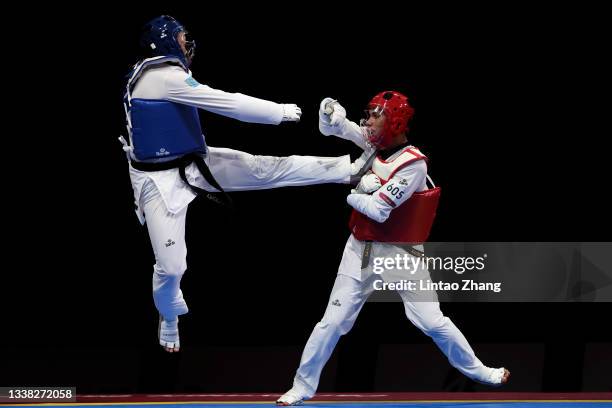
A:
[365, 257]
[181, 163]
[413, 251]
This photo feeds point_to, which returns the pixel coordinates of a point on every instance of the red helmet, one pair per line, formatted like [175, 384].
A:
[397, 111]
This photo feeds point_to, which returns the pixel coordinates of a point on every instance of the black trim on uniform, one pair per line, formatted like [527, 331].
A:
[181, 163]
[385, 154]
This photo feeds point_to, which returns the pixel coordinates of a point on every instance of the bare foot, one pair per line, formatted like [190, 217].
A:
[506, 376]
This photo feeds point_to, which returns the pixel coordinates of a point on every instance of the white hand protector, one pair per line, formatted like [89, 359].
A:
[326, 109]
[338, 114]
[291, 112]
[369, 183]
[331, 117]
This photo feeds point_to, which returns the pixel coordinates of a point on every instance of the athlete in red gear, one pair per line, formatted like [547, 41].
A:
[392, 205]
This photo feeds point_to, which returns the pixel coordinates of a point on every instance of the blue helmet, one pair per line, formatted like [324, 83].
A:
[159, 38]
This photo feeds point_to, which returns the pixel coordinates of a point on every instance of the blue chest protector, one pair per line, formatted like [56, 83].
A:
[159, 128]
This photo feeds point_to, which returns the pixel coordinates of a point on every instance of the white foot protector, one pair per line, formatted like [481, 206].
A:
[169, 334]
[291, 397]
[497, 377]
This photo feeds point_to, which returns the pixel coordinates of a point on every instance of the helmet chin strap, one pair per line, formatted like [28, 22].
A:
[190, 51]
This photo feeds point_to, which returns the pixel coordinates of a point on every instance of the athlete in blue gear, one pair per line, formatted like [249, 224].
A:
[170, 163]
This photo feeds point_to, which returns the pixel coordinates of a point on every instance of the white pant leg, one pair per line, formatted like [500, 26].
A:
[345, 302]
[240, 171]
[167, 234]
[427, 316]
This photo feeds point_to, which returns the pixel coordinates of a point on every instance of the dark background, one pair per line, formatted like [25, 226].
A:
[504, 110]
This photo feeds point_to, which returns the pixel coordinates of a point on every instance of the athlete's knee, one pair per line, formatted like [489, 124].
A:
[338, 324]
[170, 268]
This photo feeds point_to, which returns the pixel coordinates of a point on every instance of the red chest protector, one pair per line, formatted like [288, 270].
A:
[410, 222]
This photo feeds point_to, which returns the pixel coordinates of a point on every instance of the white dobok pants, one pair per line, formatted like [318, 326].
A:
[348, 296]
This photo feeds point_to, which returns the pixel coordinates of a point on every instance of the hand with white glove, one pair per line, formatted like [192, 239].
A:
[369, 183]
[291, 112]
[338, 114]
[331, 117]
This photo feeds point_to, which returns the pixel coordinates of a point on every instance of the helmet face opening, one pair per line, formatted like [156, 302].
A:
[190, 45]
[372, 126]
